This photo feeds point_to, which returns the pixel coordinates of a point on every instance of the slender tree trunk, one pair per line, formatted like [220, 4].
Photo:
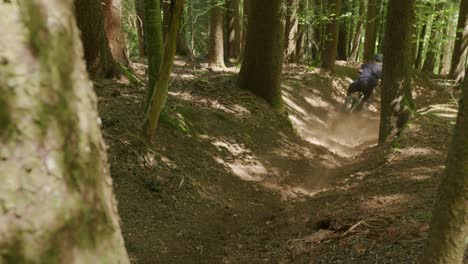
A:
[357, 37]
[449, 227]
[159, 96]
[57, 200]
[114, 32]
[318, 30]
[139, 9]
[343, 35]
[154, 44]
[234, 30]
[98, 56]
[397, 70]
[382, 23]
[291, 30]
[419, 57]
[331, 43]
[263, 59]
[166, 10]
[449, 47]
[460, 50]
[216, 49]
[371, 30]
[431, 55]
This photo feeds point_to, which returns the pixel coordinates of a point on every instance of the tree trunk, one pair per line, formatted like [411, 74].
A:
[57, 200]
[419, 57]
[216, 49]
[114, 32]
[98, 56]
[449, 227]
[332, 29]
[154, 44]
[234, 30]
[396, 90]
[357, 38]
[159, 96]
[431, 54]
[263, 59]
[318, 30]
[371, 30]
[450, 43]
[291, 30]
[460, 50]
[343, 35]
[140, 18]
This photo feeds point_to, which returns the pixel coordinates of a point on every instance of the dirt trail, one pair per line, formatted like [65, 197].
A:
[227, 180]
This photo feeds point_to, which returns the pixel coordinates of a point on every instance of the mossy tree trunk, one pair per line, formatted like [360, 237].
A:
[263, 59]
[234, 29]
[140, 23]
[291, 30]
[371, 30]
[154, 44]
[159, 95]
[332, 35]
[449, 227]
[460, 50]
[397, 69]
[216, 47]
[97, 53]
[56, 192]
[354, 56]
[114, 31]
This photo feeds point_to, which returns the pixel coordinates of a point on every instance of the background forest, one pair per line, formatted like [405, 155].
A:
[216, 131]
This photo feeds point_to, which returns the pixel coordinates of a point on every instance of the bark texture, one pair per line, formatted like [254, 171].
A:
[291, 30]
[371, 30]
[354, 56]
[234, 29]
[114, 32]
[216, 48]
[154, 43]
[98, 56]
[56, 191]
[263, 59]
[397, 70]
[159, 96]
[332, 30]
[449, 227]
[460, 50]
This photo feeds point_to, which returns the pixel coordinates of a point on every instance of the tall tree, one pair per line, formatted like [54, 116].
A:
[263, 59]
[159, 95]
[57, 199]
[371, 29]
[343, 34]
[354, 56]
[234, 29]
[449, 226]
[114, 32]
[419, 56]
[460, 50]
[446, 61]
[154, 44]
[397, 69]
[140, 18]
[432, 50]
[216, 48]
[332, 30]
[317, 42]
[98, 56]
[291, 30]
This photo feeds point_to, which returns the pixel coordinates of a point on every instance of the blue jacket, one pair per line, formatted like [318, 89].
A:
[370, 73]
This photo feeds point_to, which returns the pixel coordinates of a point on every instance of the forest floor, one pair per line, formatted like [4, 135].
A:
[228, 180]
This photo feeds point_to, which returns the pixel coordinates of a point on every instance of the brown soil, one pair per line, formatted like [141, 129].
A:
[228, 180]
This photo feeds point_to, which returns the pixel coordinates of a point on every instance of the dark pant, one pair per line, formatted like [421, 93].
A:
[366, 88]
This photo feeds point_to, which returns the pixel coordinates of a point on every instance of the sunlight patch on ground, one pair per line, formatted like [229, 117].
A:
[385, 201]
[442, 110]
[184, 76]
[407, 153]
[243, 163]
[235, 109]
[291, 192]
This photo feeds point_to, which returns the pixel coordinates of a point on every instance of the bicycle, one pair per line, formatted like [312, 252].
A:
[353, 102]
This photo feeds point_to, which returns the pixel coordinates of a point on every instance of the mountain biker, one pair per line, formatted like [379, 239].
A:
[369, 76]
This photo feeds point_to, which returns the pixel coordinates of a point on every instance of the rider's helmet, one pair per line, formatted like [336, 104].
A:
[378, 57]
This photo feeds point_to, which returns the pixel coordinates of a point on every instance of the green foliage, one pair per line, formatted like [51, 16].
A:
[129, 20]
